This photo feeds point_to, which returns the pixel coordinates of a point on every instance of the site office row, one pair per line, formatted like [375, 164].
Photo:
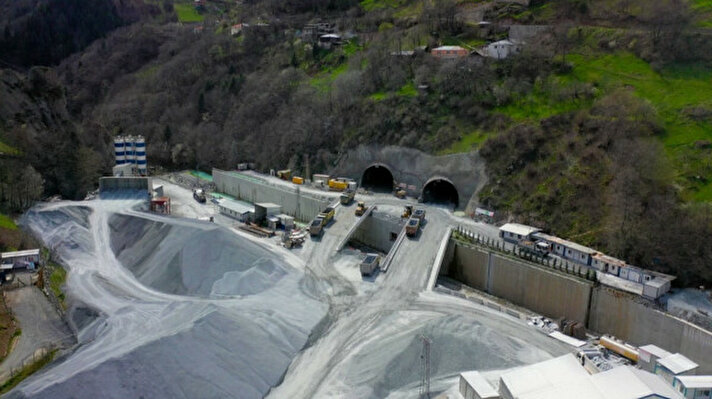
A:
[648, 283]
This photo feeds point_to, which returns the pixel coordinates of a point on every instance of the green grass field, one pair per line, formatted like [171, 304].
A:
[370, 5]
[187, 13]
[469, 142]
[6, 149]
[7, 223]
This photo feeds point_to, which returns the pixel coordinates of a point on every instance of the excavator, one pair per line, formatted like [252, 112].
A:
[407, 211]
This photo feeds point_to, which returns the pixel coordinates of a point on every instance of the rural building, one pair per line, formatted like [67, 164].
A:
[567, 249]
[449, 52]
[474, 386]
[21, 259]
[235, 209]
[315, 30]
[673, 366]
[694, 386]
[513, 232]
[329, 40]
[501, 49]
[236, 29]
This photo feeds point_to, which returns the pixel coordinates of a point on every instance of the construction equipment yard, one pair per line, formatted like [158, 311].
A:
[182, 307]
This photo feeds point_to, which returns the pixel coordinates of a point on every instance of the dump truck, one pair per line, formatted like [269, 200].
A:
[407, 211]
[327, 214]
[199, 195]
[360, 208]
[411, 228]
[420, 214]
[285, 174]
[338, 185]
[369, 264]
[347, 197]
[316, 226]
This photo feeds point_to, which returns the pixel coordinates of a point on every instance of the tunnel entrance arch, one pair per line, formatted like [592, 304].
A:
[440, 190]
[378, 178]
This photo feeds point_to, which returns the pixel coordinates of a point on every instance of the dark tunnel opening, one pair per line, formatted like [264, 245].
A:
[441, 191]
[377, 178]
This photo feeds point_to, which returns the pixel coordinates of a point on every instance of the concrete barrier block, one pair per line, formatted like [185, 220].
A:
[512, 313]
[494, 306]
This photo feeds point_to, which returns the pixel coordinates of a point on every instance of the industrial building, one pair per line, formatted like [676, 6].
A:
[514, 232]
[236, 209]
[694, 386]
[130, 150]
[564, 377]
[29, 259]
[674, 366]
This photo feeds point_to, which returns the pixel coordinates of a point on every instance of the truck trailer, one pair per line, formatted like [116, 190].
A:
[369, 264]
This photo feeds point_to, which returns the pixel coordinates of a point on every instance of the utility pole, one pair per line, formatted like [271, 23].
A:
[425, 366]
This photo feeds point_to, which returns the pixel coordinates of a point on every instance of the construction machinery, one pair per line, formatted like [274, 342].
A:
[411, 228]
[407, 211]
[347, 197]
[316, 226]
[199, 195]
[338, 185]
[327, 214]
[360, 208]
[369, 264]
[400, 193]
[285, 174]
[420, 214]
[293, 238]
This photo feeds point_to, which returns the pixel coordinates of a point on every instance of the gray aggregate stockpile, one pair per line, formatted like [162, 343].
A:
[227, 323]
[202, 259]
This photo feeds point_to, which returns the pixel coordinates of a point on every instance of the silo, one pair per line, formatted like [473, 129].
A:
[119, 148]
[129, 149]
[140, 148]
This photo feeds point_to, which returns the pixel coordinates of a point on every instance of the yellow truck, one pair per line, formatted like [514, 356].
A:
[338, 185]
[327, 214]
[360, 208]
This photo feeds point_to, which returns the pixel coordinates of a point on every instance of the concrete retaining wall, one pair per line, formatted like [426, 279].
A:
[302, 206]
[125, 183]
[629, 317]
[544, 291]
[375, 231]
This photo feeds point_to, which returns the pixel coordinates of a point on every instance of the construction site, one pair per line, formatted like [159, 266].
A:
[246, 284]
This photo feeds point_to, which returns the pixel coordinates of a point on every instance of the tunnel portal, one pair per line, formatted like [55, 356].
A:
[377, 178]
[441, 191]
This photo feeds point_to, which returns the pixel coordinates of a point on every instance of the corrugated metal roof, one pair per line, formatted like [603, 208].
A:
[695, 381]
[483, 388]
[656, 351]
[236, 206]
[521, 229]
[608, 259]
[566, 243]
[15, 254]
[677, 363]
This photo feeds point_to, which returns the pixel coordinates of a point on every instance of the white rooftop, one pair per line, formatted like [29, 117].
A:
[577, 343]
[15, 254]
[479, 384]
[628, 382]
[564, 378]
[268, 205]
[521, 229]
[567, 243]
[695, 381]
[677, 363]
[656, 351]
[236, 206]
[450, 48]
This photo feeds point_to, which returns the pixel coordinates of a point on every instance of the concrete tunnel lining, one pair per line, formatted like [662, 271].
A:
[378, 177]
[441, 190]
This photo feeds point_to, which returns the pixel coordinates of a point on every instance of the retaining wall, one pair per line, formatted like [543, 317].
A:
[125, 183]
[544, 291]
[375, 231]
[303, 206]
[629, 317]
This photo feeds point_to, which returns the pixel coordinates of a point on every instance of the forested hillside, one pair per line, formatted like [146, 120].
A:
[600, 129]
